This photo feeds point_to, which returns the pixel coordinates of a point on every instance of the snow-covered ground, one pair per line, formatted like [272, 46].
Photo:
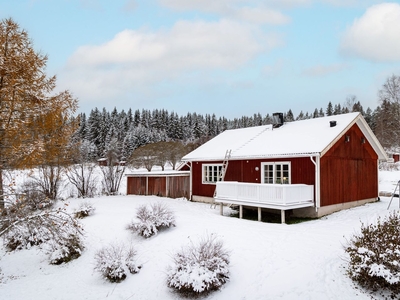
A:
[268, 261]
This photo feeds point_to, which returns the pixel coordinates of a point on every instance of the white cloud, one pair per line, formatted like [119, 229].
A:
[133, 59]
[253, 11]
[375, 36]
[130, 5]
[351, 3]
[261, 16]
[324, 70]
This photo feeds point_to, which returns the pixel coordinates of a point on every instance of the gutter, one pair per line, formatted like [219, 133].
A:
[317, 181]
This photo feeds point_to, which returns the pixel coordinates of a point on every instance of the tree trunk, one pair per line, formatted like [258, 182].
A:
[1, 189]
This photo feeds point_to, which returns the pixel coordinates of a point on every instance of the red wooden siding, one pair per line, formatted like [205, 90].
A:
[157, 186]
[179, 187]
[349, 170]
[163, 186]
[136, 186]
[302, 171]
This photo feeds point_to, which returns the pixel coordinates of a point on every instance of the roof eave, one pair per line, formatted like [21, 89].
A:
[252, 157]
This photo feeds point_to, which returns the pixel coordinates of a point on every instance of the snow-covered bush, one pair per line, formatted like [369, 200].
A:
[152, 219]
[23, 228]
[199, 268]
[115, 261]
[85, 209]
[65, 250]
[375, 255]
[24, 237]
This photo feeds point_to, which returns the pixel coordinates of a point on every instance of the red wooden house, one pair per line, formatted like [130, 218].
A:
[311, 167]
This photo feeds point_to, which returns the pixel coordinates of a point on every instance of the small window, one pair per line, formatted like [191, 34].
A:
[212, 173]
[277, 172]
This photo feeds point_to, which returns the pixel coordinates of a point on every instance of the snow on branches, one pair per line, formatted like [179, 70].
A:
[375, 255]
[115, 261]
[199, 268]
[55, 230]
[152, 219]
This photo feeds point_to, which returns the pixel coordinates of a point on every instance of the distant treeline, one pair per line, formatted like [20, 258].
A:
[132, 129]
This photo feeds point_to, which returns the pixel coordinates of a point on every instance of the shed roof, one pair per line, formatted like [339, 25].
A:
[293, 139]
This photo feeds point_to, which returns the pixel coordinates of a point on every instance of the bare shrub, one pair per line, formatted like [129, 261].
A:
[115, 261]
[375, 255]
[199, 268]
[82, 176]
[34, 197]
[114, 169]
[85, 209]
[49, 180]
[152, 219]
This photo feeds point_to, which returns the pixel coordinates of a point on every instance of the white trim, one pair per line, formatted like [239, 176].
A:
[274, 163]
[317, 164]
[205, 176]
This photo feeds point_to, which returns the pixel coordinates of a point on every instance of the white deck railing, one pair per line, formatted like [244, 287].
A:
[265, 195]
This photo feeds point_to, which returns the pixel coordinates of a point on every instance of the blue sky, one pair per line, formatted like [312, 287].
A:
[228, 57]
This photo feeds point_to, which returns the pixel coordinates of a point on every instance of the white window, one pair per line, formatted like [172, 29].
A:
[276, 172]
[212, 173]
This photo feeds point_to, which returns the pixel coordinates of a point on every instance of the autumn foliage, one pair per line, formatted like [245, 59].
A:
[35, 122]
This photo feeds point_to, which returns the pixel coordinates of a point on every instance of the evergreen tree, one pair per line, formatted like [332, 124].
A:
[337, 110]
[300, 116]
[136, 118]
[369, 118]
[329, 109]
[289, 116]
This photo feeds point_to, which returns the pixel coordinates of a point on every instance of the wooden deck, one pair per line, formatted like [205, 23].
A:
[273, 196]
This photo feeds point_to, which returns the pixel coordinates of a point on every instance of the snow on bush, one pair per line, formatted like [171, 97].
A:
[199, 268]
[375, 255]
[115, 261]
[85, 209]
[56, 229]
[64, 250]
[152, 219]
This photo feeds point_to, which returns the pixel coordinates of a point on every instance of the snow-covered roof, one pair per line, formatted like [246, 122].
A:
[299, 138]
[145, 173]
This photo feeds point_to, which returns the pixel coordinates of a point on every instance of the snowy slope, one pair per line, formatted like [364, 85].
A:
[268, 261]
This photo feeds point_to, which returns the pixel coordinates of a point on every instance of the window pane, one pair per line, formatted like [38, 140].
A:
[211, 173]
[268, 173]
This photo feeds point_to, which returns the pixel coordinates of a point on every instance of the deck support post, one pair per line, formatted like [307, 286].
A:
[221, 209]
[259, 214]
[240, 212]
[283, 217]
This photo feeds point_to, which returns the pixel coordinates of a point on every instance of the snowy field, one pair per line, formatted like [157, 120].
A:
[268, 261]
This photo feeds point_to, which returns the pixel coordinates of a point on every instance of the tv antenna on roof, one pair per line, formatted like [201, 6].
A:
[394, 194]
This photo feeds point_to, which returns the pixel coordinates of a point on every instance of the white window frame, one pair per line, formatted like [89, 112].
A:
[211, 173]
[276, 168]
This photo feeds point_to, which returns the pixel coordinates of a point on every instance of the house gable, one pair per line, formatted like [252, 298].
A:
[349, 170]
